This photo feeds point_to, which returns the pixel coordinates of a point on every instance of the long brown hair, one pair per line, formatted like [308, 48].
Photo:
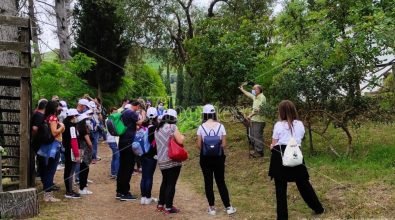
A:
[287, 112]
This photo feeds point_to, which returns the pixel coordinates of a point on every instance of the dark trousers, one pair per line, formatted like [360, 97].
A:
[84, 172]
[306, 191]
[47, 169]
[214, 166]
[148, 167]
[125, 171]
[168, 186]
[256, 135]
[68, 171]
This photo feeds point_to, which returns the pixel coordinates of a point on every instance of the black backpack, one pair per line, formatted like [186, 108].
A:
[212, 145]
[44, 134]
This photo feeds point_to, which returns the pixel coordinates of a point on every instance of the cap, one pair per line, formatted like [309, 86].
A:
[63, 104]
[128, 106]
[208, 109]
[72, 112]
[92, 104]
[42, 100]
[83, 102]
[152, 112]
[171, 112]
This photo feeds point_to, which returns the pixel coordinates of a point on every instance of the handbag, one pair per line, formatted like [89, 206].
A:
[292, 155]
[176, 151]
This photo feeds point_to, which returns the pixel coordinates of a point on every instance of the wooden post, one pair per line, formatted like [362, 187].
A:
[1, 174]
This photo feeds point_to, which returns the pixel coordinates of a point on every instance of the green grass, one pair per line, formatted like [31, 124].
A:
[360, 186]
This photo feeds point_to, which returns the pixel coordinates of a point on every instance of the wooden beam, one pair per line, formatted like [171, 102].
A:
[14, 21]
[16, 72]
[24, 150]
[9, 82]
[9, 97]
[14, 46]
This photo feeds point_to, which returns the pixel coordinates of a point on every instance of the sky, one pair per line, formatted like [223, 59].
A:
[49, 40]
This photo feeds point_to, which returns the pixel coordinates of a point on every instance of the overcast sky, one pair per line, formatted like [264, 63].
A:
[48, 38]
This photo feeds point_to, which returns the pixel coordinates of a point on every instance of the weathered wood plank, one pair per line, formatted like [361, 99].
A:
[19, 203]
[14, 21]
[14, 46]
[10, 97]
[24, 150]
[10, 110]
[16, 72]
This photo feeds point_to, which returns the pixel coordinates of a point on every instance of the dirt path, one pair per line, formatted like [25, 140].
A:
[103, 205]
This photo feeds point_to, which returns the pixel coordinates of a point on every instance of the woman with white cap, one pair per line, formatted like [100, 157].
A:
[71, 152]
[170, 169]
[148, 160]
[86, 148]
[211, 141]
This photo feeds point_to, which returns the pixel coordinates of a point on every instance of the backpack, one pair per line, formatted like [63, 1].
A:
[211, 145]
[140, 143]
[292, 155]
[44, 134]
[114, 124]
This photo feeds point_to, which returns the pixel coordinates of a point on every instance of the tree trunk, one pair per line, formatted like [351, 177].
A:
[62, 9]
[350, 148]
[310, 137]
[180, 86]
[32, 16]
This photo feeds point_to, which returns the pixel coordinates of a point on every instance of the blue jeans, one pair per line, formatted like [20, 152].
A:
[47, 169]
[115, 158]
[148, 166]
[95, 142]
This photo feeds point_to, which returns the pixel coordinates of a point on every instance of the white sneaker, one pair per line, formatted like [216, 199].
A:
[49, 197]
[143, 200]
[59, 167]
[89, 181]
[85, 191]
[148, 201]
[211, 210]
[230, 210]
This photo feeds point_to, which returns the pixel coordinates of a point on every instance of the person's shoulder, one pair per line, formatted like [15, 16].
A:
[52, 118]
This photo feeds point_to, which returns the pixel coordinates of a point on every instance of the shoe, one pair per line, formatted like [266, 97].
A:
[143, 200]
[85, 191]
[118, 196]
[171, 210]
[98, 158]
[55, 188]
[89, 181]
[128, 197]
[49, 197]
[148, 201]
[230, 210]
[211, 210]
[59, 167]
[160, 208]
[256, 154]
[113, 177]
[320, 212]
[72, 195]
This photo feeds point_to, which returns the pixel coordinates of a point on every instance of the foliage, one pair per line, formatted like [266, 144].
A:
[3, 152]
[189, 119]
[100, 32]
[54, 78]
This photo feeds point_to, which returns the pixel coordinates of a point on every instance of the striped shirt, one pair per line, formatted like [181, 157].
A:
[162, 137]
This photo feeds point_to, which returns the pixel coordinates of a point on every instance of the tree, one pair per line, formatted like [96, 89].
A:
[63, 16]
[32, 16]
[100, 33]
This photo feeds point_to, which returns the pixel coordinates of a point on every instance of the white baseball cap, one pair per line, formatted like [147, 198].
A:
[83, 102]
[128, 106]
[41, 100]
[92, 104]
[208, 109]
[72, 112]
[63, 104]
[152, 112]
[171, 112]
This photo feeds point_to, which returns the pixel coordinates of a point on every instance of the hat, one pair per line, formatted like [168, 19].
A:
[171, 112]
[152, 112]
[128, 106]
[42, 100]
[92, 104]
[208, 109]
[83, 102]
[72, 112]
[82, 117]
[63, 104]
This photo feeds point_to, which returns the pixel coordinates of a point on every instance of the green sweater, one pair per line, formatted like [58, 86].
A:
[256, 107]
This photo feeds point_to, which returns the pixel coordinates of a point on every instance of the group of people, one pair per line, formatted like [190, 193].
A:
[76, 134]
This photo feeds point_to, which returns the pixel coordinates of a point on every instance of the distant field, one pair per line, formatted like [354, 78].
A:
[359, 187]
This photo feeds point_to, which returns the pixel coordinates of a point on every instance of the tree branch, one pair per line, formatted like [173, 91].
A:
[211, 7]
[49, 5]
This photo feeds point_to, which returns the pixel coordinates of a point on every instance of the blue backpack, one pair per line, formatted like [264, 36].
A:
[140, 143]
[212, 145]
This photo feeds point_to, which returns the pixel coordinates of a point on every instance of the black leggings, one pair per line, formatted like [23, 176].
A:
[168, 186]
[68, 171]
[305, 190]
[214, 166]
[84, 172]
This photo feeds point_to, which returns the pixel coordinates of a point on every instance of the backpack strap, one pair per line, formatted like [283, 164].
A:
[218, 129]
[204, 130]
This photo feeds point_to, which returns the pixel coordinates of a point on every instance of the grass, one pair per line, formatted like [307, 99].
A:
[361, 186]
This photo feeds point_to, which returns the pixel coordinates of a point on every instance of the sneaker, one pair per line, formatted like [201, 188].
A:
[72, 195]
[49, 197]
[89, 181]
[118, 196]
[230, 210]
[143, 200]
[256, 154]
[59, 167]
[320, 212]
[211, 210]
[85, 191]
[160, 208]
[128, 197]
[171, 210]
[148, 201]
[98, 158]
